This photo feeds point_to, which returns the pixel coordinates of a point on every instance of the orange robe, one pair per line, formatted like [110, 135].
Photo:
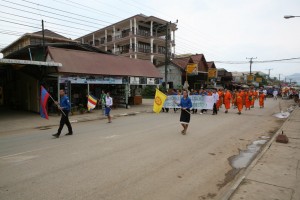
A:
[254, 97]
[220, 101]
[239, 101]
[261, 100]
[247, 99]
[227, 98]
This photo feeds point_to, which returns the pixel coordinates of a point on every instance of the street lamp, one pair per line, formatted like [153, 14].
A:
[290, 16]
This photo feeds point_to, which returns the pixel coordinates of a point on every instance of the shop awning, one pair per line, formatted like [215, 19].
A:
[82, 62]
[28, 62]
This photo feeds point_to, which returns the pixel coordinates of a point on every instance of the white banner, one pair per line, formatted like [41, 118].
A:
[198, 101]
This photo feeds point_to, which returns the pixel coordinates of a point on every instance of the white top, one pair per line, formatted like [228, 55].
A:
[275, 92]
[216, 97]
[265, 92]
[108, 101]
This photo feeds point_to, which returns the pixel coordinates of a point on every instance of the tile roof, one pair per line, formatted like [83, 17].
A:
[197, 58]
[211, 64]
[82, 62]
[49, 34]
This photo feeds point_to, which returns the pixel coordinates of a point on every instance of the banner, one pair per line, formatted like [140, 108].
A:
[192, 68]
[92, 102]
[43, 102]
[212, 73]
[198, 101]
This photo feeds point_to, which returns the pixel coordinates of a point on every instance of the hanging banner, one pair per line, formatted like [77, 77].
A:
[212, 73]
[198, 101]
[192, 69]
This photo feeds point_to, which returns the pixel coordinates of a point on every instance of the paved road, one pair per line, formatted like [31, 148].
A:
[135, 157]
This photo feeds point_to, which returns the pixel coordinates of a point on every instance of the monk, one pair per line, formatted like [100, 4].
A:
[239, 101]
[233, 100]
[254, 97]
[248, 98]
[227, 98]
[220, 101]
[261, 99]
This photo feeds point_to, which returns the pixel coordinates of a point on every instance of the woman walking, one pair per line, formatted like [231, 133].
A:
[185, 116]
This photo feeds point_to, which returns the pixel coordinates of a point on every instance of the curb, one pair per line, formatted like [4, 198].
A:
[246, 172]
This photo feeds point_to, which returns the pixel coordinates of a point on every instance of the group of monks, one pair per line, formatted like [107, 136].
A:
[240, 98]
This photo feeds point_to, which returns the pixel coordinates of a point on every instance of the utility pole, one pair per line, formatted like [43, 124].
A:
[251, 63]
[43, 32]
[269, 72]
[166, 55]
[290, 81]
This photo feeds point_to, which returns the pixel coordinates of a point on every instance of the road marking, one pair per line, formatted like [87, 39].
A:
[111, 136]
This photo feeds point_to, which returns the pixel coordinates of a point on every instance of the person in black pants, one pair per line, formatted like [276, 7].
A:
[215, 95]
[65, 107]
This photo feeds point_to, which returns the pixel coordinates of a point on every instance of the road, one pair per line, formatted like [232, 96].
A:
[135, 157]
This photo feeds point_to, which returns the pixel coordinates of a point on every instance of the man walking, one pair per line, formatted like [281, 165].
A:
[108, 105]
[65, 107]
[216, 99]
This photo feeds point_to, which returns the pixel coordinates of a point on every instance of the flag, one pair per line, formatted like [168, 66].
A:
[43, 101]
[92, 102]
[159, 101]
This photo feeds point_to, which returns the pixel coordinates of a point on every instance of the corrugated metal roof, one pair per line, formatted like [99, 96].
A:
[82, 62]
[198, 58]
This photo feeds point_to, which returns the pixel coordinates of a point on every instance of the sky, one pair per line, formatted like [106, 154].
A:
[225, 31]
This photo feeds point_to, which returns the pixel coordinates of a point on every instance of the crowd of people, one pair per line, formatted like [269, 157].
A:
[238, 99]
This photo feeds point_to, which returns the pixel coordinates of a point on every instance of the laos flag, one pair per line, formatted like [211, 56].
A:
[43, 102]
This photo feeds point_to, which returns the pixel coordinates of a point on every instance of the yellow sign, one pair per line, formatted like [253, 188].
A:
[212, 73]
[250, 77]
[192, 68]
[258, 79]
[159, 101]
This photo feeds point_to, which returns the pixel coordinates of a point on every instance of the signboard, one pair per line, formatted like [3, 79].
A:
[258, 79]
[198, 101]
[92, 80]
[212, 73]
[250, 78]
[150, 81]
[192, 68]
[134, 80]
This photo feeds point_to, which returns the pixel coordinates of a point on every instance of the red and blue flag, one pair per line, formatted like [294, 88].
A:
[43, 102]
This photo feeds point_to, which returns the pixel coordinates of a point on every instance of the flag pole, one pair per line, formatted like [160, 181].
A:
[57, 105]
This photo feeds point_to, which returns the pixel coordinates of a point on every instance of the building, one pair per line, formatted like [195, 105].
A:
[139, 37]
[35, 38]
[176, 72]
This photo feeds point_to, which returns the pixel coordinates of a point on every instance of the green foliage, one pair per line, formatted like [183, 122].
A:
[149, 91]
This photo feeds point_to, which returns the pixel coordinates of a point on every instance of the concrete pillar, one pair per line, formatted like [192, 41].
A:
[114, 47]
[93, 39]
[135, 56]
[174, 42]
[114, 35]
[58, 88]
[105, 36]
[152, 57]
[151, 44]
[130, 21]
[82, 40]
[151, 28]
[135, 45]
[134, 25]
[130, 43]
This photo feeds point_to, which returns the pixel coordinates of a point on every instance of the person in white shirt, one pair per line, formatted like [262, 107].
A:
[265, 93]
[275, 93]
[216, 98]
[108, 105]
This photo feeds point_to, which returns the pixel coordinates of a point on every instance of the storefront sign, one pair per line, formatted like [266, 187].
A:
[198, 101]
[134, 80]
[212, 73]
[150, 81]
[258, 79]
[192, 69]
[92, 80]
[250, 78]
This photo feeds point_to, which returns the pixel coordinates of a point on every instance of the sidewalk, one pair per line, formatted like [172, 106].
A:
[11, 120]
[275, 173]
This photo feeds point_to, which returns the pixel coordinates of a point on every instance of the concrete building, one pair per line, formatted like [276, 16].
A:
[139, 37]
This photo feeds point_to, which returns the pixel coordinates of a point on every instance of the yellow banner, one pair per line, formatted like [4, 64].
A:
[159, 101]
[258, 79]
[212, 73]
[192, 68]
[250, 77]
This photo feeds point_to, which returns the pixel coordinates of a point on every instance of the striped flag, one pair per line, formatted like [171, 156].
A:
[92, 102]
[43, 102]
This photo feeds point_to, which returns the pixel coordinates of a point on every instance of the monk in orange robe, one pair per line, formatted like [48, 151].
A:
[248, 99]
[239, 101]
[261, 99]
[227, 98]
[220, 101]
[254, 97]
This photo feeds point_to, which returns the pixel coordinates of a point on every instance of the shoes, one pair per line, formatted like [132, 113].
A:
[226, 111]
[69, 134]
[56, 135]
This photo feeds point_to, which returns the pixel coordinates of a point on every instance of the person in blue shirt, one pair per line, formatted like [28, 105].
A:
[185, 116]
[65, 107]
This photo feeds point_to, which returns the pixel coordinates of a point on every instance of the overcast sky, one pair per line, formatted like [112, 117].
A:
[223, 30]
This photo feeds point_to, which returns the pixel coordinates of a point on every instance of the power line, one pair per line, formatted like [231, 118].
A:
[50, 12]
